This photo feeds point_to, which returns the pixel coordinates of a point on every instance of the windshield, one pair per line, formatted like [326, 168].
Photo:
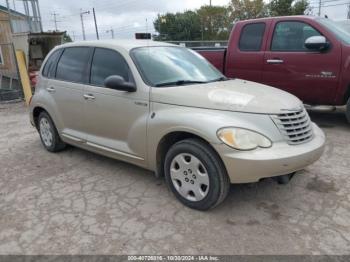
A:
[339, 30]
[170, 66]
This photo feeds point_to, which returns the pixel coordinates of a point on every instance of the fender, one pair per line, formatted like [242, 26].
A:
[43, 100]
[203, 123]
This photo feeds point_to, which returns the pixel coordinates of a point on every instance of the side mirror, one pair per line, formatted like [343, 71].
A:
[317, 43]
[118, 83]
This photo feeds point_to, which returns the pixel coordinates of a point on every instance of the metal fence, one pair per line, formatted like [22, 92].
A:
[10, 84]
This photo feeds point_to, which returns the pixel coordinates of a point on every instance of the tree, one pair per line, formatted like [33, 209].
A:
[66, 38]
[288, 7]
[302, 7]
[178, 27]
[215, 22]
[247, 9]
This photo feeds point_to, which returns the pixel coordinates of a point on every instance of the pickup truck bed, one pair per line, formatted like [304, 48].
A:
[215, 55]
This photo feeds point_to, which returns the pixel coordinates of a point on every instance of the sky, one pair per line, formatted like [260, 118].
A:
[126, 17]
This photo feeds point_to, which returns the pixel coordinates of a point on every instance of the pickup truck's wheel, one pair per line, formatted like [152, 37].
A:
[48, 134]
[196, 174]
[348, 110]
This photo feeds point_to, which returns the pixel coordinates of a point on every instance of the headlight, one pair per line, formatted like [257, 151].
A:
[243, 139]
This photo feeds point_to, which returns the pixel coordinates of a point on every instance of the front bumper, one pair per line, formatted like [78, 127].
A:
[280, 159]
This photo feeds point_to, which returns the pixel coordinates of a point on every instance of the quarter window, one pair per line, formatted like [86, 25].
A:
[50, 65]
[106, 63]
[291, 36]
[73, 64]
[251, 37]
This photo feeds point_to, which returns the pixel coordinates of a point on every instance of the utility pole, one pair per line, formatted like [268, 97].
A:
[97, 36]
[349, 10]
[54, 14]
[111, 31]
[319, 7]
[73, 34]
[9, 14]
[82, 21]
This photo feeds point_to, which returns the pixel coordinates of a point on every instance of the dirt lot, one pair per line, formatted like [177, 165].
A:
[76, 202]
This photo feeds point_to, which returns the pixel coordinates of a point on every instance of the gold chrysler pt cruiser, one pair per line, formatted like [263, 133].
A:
[165, 108]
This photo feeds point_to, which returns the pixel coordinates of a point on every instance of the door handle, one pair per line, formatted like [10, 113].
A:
[51, 89]
[275, 61]
[89, 97]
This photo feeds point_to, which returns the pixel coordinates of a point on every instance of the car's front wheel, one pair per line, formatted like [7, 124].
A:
[48, 134]
[196, 175]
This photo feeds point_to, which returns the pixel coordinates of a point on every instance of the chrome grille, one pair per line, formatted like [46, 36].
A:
[295, 127]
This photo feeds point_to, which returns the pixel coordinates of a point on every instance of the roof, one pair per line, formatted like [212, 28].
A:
[279, 17]
[13, 12]
[120, 43]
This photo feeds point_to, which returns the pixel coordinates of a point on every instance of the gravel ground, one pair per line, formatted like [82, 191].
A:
[76, 202]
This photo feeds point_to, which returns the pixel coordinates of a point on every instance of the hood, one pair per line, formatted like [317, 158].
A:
[233, 95]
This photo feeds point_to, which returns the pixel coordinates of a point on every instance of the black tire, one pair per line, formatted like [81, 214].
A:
[57, 144]
[285, 179]
[347, 112]
[219, 183]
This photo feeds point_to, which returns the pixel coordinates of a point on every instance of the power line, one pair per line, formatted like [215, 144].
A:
[330, 5]
[324, 1]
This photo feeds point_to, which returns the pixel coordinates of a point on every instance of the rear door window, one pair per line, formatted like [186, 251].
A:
[106, 63]
[290, 36]
[50, 66]
[251, 37]
[73, 65]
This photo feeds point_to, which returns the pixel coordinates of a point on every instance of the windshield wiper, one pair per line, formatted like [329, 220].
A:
[180, 83]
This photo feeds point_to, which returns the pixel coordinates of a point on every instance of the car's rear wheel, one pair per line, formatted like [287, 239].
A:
[196, 175]
[48, 134]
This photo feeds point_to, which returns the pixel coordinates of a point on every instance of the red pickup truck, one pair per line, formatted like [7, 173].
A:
[306, 56]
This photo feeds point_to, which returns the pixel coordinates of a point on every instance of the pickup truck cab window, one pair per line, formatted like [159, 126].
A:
[105, 63]
[73, 64]
[251, 37]
[170, 66]
[291, 35]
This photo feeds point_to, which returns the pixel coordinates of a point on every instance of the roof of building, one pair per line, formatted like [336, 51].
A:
[13, 12]
[121, 43]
